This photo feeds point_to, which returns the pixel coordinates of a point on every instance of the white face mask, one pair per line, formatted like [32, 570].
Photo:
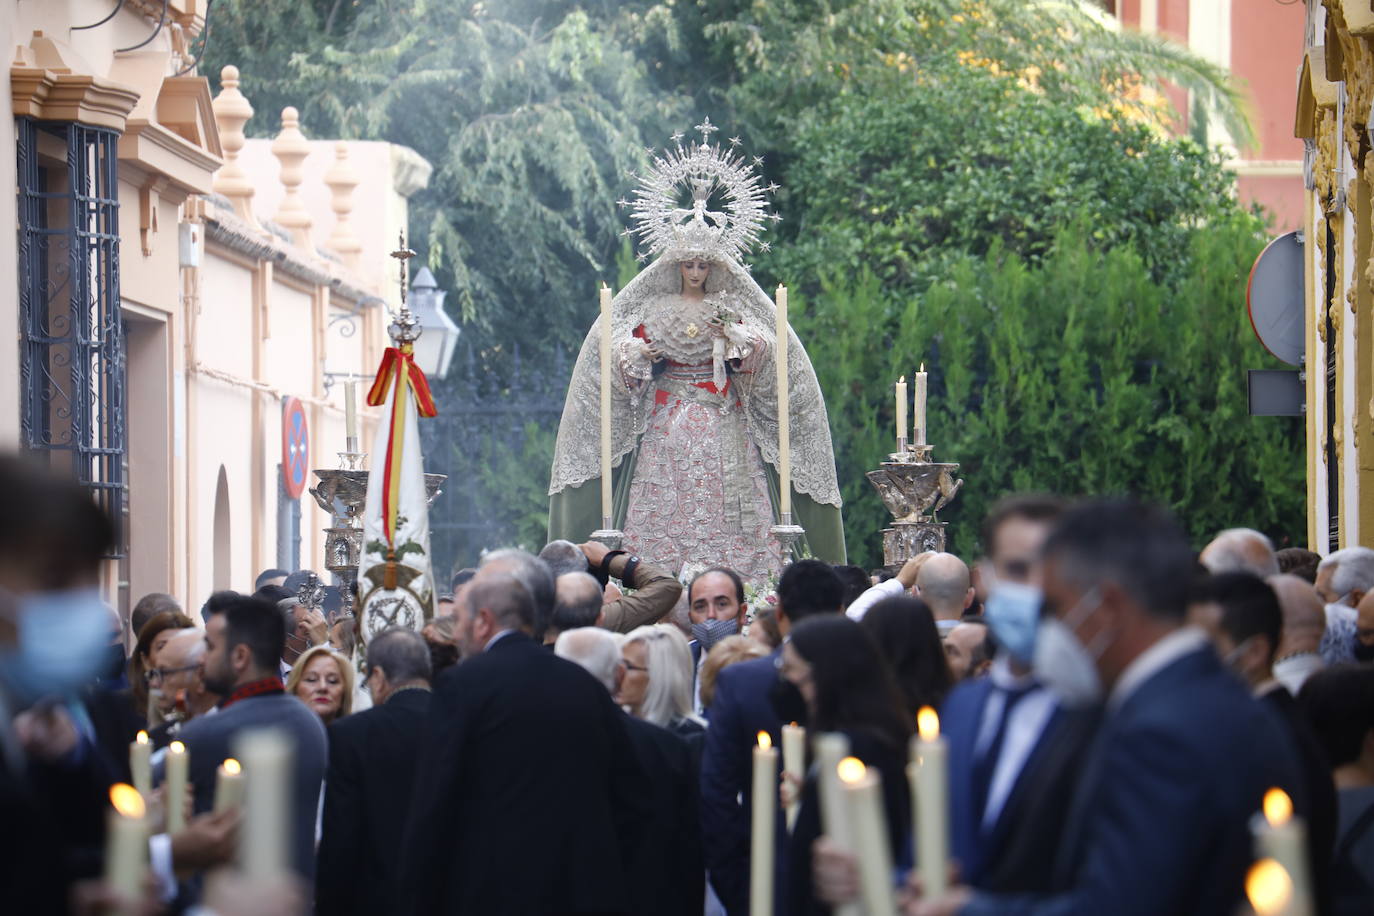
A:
[1063, 664]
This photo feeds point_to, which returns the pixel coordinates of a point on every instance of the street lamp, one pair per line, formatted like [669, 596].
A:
[439, 335]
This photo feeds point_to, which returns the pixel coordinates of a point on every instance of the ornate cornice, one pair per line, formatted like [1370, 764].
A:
[52, 95]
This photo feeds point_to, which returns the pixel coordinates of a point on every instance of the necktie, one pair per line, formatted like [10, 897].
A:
[985, 764]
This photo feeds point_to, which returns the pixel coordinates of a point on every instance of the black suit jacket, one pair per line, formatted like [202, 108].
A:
[1160, 820]
[529, 797]
[669, 876]
[367, 794]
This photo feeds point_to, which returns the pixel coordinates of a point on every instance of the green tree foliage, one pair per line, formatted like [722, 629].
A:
[1080, 373]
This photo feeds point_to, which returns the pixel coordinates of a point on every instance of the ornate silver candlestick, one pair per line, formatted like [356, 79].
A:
[787, 535]
[609, 534]
[914, 489]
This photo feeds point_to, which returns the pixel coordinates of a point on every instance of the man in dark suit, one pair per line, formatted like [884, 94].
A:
[1159, 821]
[243, 644]
[1242, 615]
[744, 706]
[529, 797]
[371, 779]
[670, 877]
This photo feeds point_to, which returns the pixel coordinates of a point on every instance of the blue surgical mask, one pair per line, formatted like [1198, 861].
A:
[62, 642]
[1012, 613]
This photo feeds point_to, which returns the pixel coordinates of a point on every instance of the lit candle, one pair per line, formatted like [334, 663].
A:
[919, 434]
[126, 844]
[863, 794]
[141, 764]
[351, 415]
[901, 411]
[178, 763]
[228, 785]
[929, 775]
[794, 763]
[830, 750]
[1269, 888]
[765, 809]
[605, 404]
[1282, 837]
[266, 758]
[784, 407]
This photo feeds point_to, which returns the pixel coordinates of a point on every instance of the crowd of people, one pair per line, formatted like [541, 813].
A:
[573, 732]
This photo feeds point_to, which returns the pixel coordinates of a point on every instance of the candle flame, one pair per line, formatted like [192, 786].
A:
[923, 367]
[851, 770]
[176, 747]
[1268, 887]
[902, 380]
[141, 737]
[1278, 807]
[765, 740]
[126, 800]
[928, 724]
[794, 724]
[231, 766]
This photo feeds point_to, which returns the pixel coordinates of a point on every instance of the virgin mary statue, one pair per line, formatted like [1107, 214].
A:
[694, 395]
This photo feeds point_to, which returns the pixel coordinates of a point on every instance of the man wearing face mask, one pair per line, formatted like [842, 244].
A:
[54, 635]
[1343, 579]
[750, 697]
[716, 610]
[1159, 821]
[1015, 739]
[1245, 624]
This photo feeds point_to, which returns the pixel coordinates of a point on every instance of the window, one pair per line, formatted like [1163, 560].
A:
[71, 333]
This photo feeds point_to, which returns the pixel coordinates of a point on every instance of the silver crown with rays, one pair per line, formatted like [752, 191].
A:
[705, 171]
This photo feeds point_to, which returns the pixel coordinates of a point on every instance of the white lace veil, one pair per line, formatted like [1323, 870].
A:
[577, 454]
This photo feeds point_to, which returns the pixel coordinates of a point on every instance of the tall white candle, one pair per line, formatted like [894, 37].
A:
[1269, 888]
[901, 410]
[764, 815]
[1282, 836]
[605, 402]
[794, 763]
[351, 413]
[228, 785]
[784, 406]
[863, 795]
[830, 750]
[929, 775]
[141, 764]
[178, 765]
[919, 433]
[126, 844]
[263, 839]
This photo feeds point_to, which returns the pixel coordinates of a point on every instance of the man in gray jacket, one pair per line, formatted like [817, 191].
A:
[244, 639]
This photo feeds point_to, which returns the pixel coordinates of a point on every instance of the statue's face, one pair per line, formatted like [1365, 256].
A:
[694, 273]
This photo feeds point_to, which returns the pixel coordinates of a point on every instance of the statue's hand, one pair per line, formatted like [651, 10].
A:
[651, 351]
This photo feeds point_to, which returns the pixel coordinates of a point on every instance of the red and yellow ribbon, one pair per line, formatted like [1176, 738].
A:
[398, 366]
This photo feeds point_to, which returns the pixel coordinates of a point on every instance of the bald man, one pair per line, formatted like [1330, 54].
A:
[1240, 550]
[1304, 623]
[943, 584]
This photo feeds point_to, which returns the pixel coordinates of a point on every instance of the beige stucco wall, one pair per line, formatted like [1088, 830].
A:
[213, 348]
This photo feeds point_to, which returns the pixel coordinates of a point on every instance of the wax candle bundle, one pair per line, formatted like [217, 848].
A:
[762, 824]
[141, 764]
[126, 844]
[928, 771]
[178, 767]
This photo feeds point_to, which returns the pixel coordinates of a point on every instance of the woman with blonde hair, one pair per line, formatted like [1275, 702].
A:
[323, 680]
[658, 681]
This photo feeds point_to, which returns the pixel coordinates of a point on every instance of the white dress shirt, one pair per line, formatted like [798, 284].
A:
[1024, 725]
[859, 607]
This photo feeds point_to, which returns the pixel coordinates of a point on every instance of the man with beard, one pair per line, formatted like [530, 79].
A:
[244, 638]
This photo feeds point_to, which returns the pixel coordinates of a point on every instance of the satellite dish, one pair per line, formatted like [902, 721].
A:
[1274, 299]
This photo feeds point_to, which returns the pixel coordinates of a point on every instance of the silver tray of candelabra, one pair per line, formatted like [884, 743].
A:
[914, 489]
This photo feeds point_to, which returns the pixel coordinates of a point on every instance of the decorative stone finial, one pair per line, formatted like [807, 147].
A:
[291, 150]
[232, 111]
[342, 179]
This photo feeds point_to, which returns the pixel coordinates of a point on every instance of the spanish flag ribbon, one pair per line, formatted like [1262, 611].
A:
[399, 363]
